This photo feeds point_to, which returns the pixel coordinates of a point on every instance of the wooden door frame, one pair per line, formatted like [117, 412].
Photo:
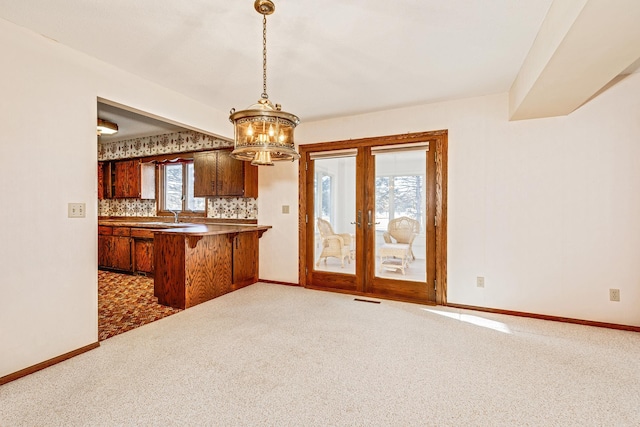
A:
[441, 145]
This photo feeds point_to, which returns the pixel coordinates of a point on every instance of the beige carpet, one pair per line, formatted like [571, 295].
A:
[270, 355]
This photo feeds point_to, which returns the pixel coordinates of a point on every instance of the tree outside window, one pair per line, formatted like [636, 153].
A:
[178, 181]
[399, 195]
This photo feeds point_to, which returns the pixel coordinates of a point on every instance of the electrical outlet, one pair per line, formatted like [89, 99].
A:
[77, 210]
[614, 295]
[285, 209]
[480, 282]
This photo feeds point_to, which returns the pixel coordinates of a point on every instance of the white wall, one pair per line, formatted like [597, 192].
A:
[547, 210]
[49, 156]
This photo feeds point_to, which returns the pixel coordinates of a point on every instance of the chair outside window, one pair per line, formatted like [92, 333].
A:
[333, 245]
[403, 230]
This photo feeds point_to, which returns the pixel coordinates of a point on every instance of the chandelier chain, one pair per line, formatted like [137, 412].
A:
[264, 57]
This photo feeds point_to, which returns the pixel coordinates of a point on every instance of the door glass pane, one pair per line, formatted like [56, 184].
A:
[193, 203]
[334, 207]
[173, 187]
[400, 204]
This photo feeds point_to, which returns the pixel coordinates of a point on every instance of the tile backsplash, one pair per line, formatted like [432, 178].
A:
[232, 208]
[217, 208]
[179, 142]
[126, 207]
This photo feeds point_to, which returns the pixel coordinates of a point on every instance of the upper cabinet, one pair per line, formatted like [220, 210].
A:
[216, 173]
[131, 179]
[100, 180]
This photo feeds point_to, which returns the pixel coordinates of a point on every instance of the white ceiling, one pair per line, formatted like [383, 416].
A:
[132, 125]
[325, 59]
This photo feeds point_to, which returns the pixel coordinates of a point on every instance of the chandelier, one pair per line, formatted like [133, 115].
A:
[263, 132]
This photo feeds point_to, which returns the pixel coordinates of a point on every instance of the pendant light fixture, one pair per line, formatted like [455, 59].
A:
[263, 132]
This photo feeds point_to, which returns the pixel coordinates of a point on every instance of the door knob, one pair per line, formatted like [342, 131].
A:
[358, 222]
[371, 219]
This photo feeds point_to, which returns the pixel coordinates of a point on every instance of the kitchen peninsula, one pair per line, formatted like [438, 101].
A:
[191, 263]
[203, 261]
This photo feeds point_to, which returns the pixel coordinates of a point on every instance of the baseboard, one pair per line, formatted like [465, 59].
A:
[548, 317]
[275, 282]
[35, 368]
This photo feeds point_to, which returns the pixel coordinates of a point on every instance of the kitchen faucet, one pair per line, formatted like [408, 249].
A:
[175, 215]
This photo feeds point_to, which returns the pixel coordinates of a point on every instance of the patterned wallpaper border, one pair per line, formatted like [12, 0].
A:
[170, 143]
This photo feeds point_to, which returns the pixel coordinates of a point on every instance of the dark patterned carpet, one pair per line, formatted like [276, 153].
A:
[126, 302]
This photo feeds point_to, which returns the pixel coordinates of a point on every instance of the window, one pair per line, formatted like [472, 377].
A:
[177, 188]
[324, 195]
[399, 195]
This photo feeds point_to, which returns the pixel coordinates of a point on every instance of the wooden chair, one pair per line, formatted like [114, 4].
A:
[333, 245]
[402, 230]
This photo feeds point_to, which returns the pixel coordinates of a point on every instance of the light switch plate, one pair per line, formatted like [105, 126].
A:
[77, 210]
[285, 209]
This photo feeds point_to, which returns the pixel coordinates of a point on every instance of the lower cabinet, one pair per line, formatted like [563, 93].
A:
[120, 253]
[245, 259]
[114, 248]
[126, 249]
[104, 245]
[142, 251]
[143, 256]
[191, 269]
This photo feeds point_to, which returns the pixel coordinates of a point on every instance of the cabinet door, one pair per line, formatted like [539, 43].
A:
[126, 179]
[133, 179]
[119, 179]
[120, 253]
[104, 249]
[204, 171]
[143, 256]
[245, 259]
[147, 178]
[230, 175]
[100, 180]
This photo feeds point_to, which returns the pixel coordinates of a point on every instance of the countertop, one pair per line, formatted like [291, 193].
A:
[213, 229]
[191, 229]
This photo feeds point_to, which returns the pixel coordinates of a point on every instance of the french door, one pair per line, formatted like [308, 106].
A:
[369, 213]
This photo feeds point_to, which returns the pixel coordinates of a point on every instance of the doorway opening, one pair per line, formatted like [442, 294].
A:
[126, 297]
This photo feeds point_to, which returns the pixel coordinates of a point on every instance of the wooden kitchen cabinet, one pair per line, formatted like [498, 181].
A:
[191, 270]
[127, 249]
[142, 251]
[104, 245]
[245, 259]
[100, 180]
[143, 256]
[216, 173]
[194, 266]
[114, 248]
[121, 253]
[131, 179]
